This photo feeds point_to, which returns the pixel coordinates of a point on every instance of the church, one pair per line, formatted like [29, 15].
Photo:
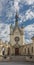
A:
[16, 45]
[16, 38]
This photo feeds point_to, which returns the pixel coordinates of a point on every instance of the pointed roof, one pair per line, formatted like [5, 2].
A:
[16, 24]
[18, 29]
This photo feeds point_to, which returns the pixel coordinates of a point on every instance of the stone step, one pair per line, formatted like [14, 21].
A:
[14, 58]
[17, 58]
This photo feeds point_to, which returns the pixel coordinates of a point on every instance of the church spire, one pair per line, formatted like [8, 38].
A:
[16, 19]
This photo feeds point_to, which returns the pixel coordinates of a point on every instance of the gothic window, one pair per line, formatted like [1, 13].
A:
[28, 51]
[25, 50]
[32, 49]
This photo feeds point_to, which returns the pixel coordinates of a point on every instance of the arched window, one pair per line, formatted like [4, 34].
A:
[8, 51]
[28, 51]
[3, 51]
[32, 49]
[25, 50]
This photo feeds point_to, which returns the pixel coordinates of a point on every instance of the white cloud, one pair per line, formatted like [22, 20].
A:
[28, 15]
[16, 2]
[4, 32]
[28, 41]
[29, 27]
[29, 30]
[29, 2]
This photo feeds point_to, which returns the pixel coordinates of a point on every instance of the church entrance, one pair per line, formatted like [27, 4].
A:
[16, 51]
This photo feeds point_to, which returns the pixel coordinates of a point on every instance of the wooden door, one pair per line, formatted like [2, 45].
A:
[16, 51]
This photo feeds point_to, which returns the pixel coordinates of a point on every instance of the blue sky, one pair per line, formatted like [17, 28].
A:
[25, 9]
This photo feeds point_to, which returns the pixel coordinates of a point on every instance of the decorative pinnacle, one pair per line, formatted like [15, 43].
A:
[16, 17]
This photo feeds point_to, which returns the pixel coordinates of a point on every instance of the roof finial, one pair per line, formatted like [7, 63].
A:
[16, 19]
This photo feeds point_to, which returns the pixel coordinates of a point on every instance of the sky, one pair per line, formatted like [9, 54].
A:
[25, 10]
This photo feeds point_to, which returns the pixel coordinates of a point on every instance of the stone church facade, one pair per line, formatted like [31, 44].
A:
[16, 38]
[16, 46]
